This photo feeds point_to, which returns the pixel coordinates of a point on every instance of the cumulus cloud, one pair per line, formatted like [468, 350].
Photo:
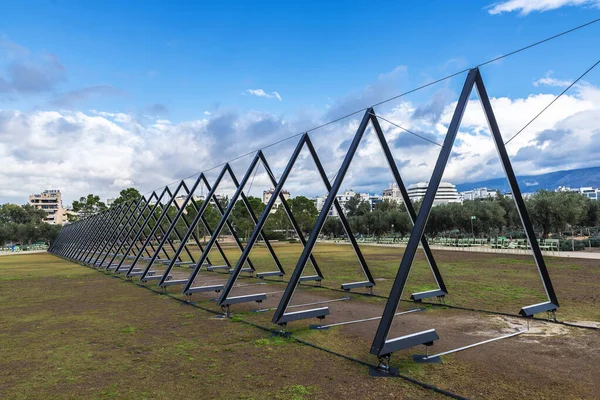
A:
[524, 7]
[548, 80]
[102, 151]
[262, 93]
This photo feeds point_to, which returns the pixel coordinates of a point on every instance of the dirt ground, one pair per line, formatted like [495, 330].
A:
[548, 361]
[69, 332]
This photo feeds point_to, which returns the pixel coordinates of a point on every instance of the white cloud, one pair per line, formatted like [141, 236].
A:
[525, 7]
[102, 152]
[548, 80]
[262, 93]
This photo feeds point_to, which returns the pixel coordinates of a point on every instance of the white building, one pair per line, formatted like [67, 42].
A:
[480, 193]
[446, 193]
[179, 200]
[267, 194]
[343, 199]
[590, 192]
[392, 193]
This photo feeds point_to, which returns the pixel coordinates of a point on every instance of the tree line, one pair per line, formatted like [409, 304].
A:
[551, 213]
[25, 225]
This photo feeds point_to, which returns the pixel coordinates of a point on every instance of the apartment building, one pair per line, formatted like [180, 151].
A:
[51, 202]
[267, 194]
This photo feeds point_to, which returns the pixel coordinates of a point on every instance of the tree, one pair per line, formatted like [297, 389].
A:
[351, 205]
[87, 206]
[13, 213]
[241, 218]
[126, 195]
[304, 211]
[555, 211]
[333, 227]
[363, 208]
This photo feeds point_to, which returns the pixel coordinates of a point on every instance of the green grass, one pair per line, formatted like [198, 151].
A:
[71, 332]
[503, 283]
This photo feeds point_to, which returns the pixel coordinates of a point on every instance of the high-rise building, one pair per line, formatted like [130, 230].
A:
[51, 202]
[446, 193]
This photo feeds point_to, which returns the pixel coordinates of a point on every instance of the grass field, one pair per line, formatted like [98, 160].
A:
[72, 332]
[495, 282]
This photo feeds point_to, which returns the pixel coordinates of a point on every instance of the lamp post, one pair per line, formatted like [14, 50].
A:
[472, 230]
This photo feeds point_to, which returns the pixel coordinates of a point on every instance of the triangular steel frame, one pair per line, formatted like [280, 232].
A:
[280, 316]
[382, 346]
[123, 235]
[277, 193]
[138, 234]
[239, 194]
[213, 240]
[165, 234]
[181, 210]
[109, 237]
[146, 232]
[101, 225]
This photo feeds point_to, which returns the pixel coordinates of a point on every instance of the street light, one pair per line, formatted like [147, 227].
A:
[472, 230]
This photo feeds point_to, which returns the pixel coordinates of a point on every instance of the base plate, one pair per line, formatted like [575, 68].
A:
[420, 359]
[377, 372]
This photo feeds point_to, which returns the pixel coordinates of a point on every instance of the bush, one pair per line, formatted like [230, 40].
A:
[567, 245]
[275, 235]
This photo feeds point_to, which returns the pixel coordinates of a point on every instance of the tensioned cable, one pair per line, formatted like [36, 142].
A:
[253, 176]
[406, 130]
[553, 101]
[398, 96]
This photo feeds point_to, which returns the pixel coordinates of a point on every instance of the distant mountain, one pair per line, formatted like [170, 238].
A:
[574, 178]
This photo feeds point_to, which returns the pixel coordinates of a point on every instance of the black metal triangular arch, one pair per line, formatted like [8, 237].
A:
[382, 346]
[280, 316]
[277, 193]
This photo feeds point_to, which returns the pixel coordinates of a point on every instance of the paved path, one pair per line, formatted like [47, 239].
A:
[484, 249]
[16, 253]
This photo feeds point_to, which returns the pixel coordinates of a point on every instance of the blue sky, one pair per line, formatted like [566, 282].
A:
[309, 61]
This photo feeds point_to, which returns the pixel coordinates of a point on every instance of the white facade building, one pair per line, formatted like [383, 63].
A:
[267, 194]
[392, 193]
[179, 200]
[590, 192]
[343, 199]
[480, 193]
[446, 193]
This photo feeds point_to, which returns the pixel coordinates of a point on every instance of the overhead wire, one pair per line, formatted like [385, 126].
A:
[552, 102]
[396, 97]
[406, 130]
